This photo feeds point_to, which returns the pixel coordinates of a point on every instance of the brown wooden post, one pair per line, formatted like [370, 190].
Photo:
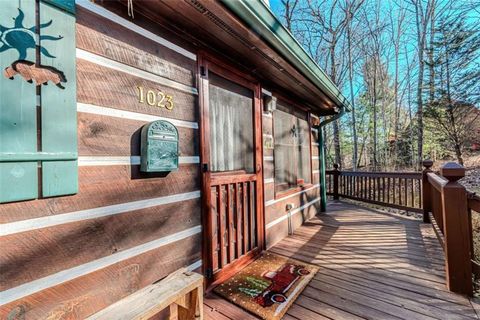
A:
[426, 191]
[336, 174]
[456, 230]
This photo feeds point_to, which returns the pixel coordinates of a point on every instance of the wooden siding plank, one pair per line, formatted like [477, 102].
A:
[112, 40]
[84, 296]
[93, 89]
[35, 254]
[106, 185]
[103, 135]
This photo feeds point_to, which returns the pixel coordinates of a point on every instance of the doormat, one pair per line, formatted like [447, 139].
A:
[268, 286]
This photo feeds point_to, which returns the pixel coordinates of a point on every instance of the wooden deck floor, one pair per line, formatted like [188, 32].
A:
[373, 265]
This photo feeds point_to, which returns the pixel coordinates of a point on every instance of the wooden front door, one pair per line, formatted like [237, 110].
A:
[231, 151]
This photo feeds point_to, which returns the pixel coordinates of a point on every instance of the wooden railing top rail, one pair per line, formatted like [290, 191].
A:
[379, 174]
[436, 181]
[411, 174]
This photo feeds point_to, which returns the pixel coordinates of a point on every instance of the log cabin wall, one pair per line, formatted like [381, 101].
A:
[68, 257]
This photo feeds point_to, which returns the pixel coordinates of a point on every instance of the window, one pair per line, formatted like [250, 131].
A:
[292, 149]
[231, 125]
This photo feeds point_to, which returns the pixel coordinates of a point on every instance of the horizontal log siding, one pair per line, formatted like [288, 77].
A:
[100, 135]
[277, 209]
[111, 40]
[48, 250]
[60, 251]
[310, 201]
[106, 185]
[83, 296]
[95, 87]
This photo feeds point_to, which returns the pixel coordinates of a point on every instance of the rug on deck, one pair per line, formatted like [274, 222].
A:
[268, 286]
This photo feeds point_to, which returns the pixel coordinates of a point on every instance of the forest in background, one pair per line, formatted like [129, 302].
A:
[411, 70]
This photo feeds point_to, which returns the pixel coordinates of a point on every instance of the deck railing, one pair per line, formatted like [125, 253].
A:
[400, 190]
[440, 197]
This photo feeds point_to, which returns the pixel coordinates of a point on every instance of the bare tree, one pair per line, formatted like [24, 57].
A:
[396, 35]
[423, 12]
[290, 7]
[351, 8]
[330, 23]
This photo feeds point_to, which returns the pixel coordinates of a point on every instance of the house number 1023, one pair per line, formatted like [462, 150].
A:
[155, 98]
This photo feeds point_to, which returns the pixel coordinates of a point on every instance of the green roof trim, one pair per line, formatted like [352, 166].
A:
[258, 16]
[67, 5]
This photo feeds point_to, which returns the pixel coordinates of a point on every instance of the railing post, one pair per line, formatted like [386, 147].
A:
[456, 230]
[336, 174]
[426, 191]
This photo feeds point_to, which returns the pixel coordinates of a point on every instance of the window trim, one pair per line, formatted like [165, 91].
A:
[279, 194]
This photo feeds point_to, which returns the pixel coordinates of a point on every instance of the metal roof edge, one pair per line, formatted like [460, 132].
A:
[262, 20]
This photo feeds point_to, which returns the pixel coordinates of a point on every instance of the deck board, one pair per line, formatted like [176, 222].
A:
[373, 265]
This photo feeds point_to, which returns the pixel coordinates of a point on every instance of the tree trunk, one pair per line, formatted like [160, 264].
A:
[374, 105]
[352, 97]
[336, 127]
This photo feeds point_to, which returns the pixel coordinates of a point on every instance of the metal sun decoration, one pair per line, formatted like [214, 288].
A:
[22, 38]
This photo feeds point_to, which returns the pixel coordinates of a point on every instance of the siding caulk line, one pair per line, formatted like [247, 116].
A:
[63, 218]
[117, 113]
[197, 264]
[293, 212]
[268, 180]
[133, 27]
[115, 65]
[270, 202]
[60, 277]
[124, 160]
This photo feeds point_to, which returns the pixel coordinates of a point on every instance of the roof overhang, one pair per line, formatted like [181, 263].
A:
[258, 16]
[248, 36]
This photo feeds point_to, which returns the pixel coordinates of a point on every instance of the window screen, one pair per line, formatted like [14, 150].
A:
[292, 150]
[231, 125]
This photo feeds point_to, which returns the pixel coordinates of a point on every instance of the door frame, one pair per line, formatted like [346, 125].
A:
[206, 63]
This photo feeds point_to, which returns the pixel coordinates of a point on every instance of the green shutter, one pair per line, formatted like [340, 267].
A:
[18, 124]
[59, 110]
[20, 159]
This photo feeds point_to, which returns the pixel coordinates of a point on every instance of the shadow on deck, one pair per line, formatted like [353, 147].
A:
[373, 265]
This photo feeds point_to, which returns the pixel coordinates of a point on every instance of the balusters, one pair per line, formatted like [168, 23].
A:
[245, 218]
[238, 213]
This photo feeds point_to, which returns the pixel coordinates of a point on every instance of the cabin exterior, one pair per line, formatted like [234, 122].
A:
[100, 196]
